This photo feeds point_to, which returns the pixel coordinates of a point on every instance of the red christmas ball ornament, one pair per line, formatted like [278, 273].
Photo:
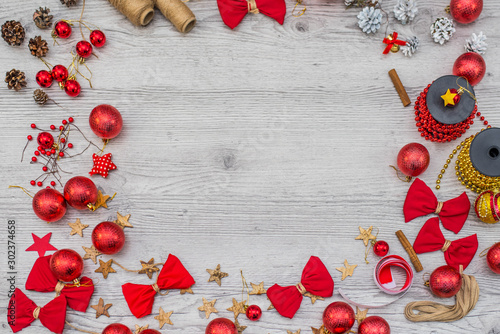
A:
[45, 140]
[49, 205]
[374, 325]
[471, 66]
[465, 11]
[44, 78]
[381, 248]
[413, 159]
[106, 121]
[445, 281]
[62, 29]
[97, 38]
[108, 238]
[493, 258]
[338, 317]
[84, 49]
[66, 265]
[72, 88]
[150, 331]
[253, 312]
[221, 326]
[80, 192]
[116, 328]
[59, 73]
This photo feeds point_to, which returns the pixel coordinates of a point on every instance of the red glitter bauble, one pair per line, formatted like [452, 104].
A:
[72, 88]
[221, 326]
[59, 73]
[338, 317]
[84, 49]
[445, 281]
[413, 159]
[106, 121]
[49, 205]
[253, 312]
[108, 238]
[97, 38]
[493, 258]
[465, 11]
[45, 140]
[44, 79]
[150, 331]
[79, 192]
[116, 328]
[374, 325]
[381, 248]
[62, 29]
[471, 66]
[66, 265]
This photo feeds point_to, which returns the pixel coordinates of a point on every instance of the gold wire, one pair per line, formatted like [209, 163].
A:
[301, 12]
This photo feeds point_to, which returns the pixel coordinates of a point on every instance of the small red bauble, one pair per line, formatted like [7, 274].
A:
[59, 73]
[253, 312]
[116, 328]
[62, 29]
[84, 49]
[66, 265]
[456, 98]
[465, 11]
[445, 281]
[413, 159]
[79, 192]
[150, 331]
[45, 140]
[108, 238]
[72, 88]
[493, 258]
[471, 66]
[106, 121]
[338, 317]
[381, 248]
[97, 38]
[44, 78]
[374, 325]
[49, 205]
[221, 326]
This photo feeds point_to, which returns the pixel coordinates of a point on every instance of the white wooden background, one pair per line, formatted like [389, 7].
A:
[254, 148]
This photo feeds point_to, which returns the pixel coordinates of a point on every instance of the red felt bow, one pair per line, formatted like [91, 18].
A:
[456, 253]
[390, 42]
[315, 279]
[22, 312]
[42, 279]
[140, 297]
[233, 11]
[421, 201]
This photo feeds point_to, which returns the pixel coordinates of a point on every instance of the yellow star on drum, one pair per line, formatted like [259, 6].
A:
[449, 98]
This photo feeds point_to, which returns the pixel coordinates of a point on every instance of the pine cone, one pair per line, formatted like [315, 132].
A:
[13, 32]
[38, 46]
[15, 79]
[411, 46]
[42, 18]
[405, 10]
[40, 96]
[369, 19]
[476, 43]
[442, 29]
[69, 3]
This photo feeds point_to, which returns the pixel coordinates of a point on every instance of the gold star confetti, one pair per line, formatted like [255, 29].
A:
[122, 221]
[216, 275]
[77, 227]
[320, 330]
[360, 315]
[105, 268]
[239, 327]
[448, 98]
[366, 235]
[271, 307]
[164, 318]
[290, 332]
[101, 308]
[148, 268]
[208, 307]
[91, 253]
[139, 329]
[313, 297]
[257, 289]
[189, 290]
[348, 270]
[101, 201]
[237, 308]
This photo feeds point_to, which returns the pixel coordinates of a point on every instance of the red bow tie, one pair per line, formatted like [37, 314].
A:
[140, 297]
[421, 201]
[456, 253]
[22, 312]
[390, 42]
[41, 279]
[315, 279]
[233, 11]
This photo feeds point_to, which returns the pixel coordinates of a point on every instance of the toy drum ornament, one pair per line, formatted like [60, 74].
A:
[486, 206]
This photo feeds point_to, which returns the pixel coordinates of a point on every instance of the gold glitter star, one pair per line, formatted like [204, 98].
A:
[216, 275]
[239, 327]
[122, 221]
[313, 297]
[189, 290]
[101, 309]
[290, 332]
[208, 307]
[91, 253]
[164, 318]
[148, 268]
[237, 308]
[139, 329]
[271, 307]
[448, 98]
[320, 330]
[101, 201]
[257, 289]
[77, 227]
[348, 270]
[105, 268]
[360, 315]
[365, 235]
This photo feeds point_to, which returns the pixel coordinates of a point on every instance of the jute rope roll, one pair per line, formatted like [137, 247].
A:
[178, 13]
[139, 12]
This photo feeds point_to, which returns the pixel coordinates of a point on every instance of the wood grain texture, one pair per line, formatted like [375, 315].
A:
[253, 148]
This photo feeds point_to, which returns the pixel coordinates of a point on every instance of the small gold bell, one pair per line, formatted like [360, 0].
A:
[395, 47]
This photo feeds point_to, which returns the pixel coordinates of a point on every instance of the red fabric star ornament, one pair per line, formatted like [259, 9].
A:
[41, 245]
[102, 165]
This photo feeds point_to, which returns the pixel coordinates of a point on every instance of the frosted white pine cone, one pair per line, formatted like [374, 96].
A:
[442, 29]
[411, 46]
[476, 43]
[405, 10]
[369, 19]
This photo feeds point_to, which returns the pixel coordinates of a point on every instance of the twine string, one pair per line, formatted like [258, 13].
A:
[245, 285]
[302, 11]
[23, 189]
[36, 312]
[447, 244]
[252, 7]
[79, 329]
[439, 207]
[301, 288]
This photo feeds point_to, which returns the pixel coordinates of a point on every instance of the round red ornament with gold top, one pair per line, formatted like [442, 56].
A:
[72, 88]
[253, 312]
[493, 258]
[465, 11]
[62, 29]
[413, 159]
[45, 140]
[221, 326]
[66, 265]
[471, 66]
[445, 281]
[84, 49]
[381, 248]
[374, 325]
[80, 192]
[49, 205]
[338, 317]
[97, 38]
[106, 121]
[108, 238]
[44, 79]
[59, 73]
[116, 328]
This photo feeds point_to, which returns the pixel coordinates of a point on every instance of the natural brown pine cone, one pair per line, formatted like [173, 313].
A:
[13, 32]
[42, 18]
[38, 46]
[69, 3]
[40, 96]
[15, 79]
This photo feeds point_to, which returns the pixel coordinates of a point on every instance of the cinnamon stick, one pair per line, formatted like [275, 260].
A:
[409, 249]
[399, 88]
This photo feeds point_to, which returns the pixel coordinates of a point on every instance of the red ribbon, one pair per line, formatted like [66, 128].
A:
[390, 42]
[22, 311]
[456, 253]
[140, 297]
[42, 279]
[233, 11]
[315, 279]
[421, 201]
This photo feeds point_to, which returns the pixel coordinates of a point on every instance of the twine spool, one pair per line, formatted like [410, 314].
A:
[178, 13]
[139, 12]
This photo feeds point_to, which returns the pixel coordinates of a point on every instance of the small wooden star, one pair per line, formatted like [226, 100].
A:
[148, 268]
[239, 327]
[164, 318]
[208, 307]
[237, 308]
[271, 307]
[101, 308]
[122, 221]
[257, 289]
[290, 332]
[101, 201]
[216, 275]
[313, 297]
[77, 227]
[320, 330]
[105, 268]
[360, 315]
[188, 290]
[102, 165]
[91, 253]
[348, 270]
[365, 235]
[139, 329]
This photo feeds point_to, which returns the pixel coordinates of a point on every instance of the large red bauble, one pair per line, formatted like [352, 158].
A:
[374, 325]
[413, 159]
[83, 49]
[106, 121]
[45, 140]
[49, 205]
[108, 238]
[79, 192]
[97, 38]
[44, 78]
[493, 258]
[381, 248]
[72, 88]
[445, 281]
[221, 326]
[465, 11]
[338, 317]
[471, 66]
[66, 265]
[116, 328]
[253, 312]
[62, 29]
[150, 331]
[59, 73]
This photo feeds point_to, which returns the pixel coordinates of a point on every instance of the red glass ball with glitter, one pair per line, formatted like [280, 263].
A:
[49, 205]
[59, 73]
[72, 88]
[445, 281]
[221, 326]
[413, 159]
[45, 140]
[80, 192]
[465, 11]
[62, 29]
[83, 49]
[44, 78]
[108, 238]
[66, 265]
[253, 312]
[116, 328]
[150, 331]
[338, 317]
[381, 248]
[471, 66]
[374, 325]
[493, 258]
[106, 121]
[97, 38]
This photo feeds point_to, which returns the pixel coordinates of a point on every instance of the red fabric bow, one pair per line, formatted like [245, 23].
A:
[233, 11]
[42, 279]
[421, 201]
[140, 297]
[22, 312]
[315, 279]
[456, 253]
[390, 42]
